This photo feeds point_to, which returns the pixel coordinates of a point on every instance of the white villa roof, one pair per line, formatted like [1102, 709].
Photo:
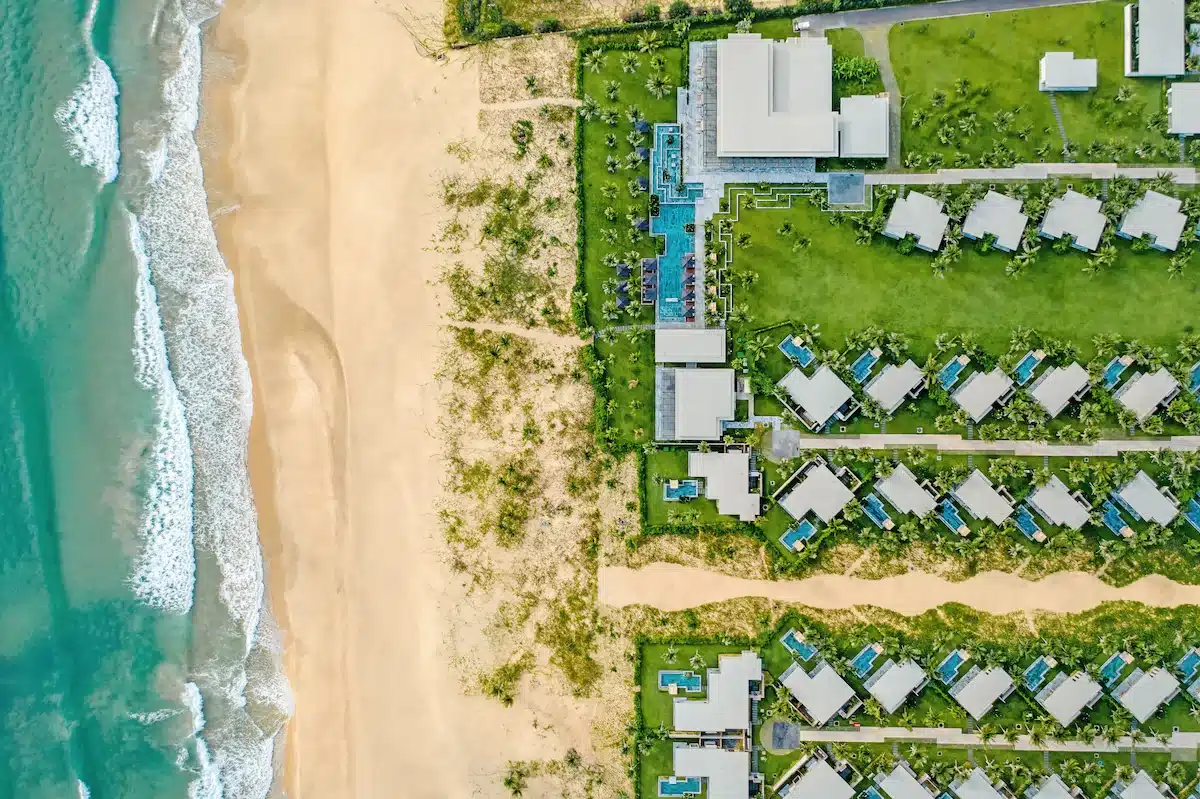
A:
[727, 706]
[864, 126]
[1070, 697]
[1160, 37]
[775, 98]
[979, 691]
[1146, 694]
[703, 399]
[1053, 788]
[727, 481]
[1143, 393]
[727, 770]
[819, 491]
[1148, 501]
[893, 384]
[823, 693]
[1057, 385]
[689, 345]
[977, 786]
[1142, 786]
[901, 784]
[1183, 109]
[1065, 72]
[920, 215]
[1077, 215]
[818, 396]
[1158, 215]
[1054, 501]
[894, 682]
[820, 781]
[999, 215]
[981, 499]
[904, 492]
[980, 392]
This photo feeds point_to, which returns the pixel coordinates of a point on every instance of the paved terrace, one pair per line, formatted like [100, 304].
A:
[790, 443]
[952, 8]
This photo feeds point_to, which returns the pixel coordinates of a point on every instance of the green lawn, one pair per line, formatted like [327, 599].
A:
[998, 55]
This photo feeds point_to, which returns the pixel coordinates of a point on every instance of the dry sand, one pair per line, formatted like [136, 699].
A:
[669, 587]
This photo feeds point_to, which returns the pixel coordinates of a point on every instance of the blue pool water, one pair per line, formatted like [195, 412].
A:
[1194, 379]
[873, 505]
[1188, 665]
[666, 165]
[671, 281]
[949, 373]
[871, 793]
[1192, 514]
[1120, 500]
[678, 786]
[687, 489]
[947, 670]
[864, 660]
[1113, 519]
[951, 516]
[1110, 672]
[1026, 367]
[1113, 372]
[1027, 525]
[687, 680]
[801, 649]
[798, 534]
[796, 351]
[862, 367]
[1035, 675]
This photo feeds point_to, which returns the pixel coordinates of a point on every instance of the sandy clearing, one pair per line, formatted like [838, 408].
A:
[670, 587]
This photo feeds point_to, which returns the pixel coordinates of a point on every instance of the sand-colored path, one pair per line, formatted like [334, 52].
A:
[670, 587]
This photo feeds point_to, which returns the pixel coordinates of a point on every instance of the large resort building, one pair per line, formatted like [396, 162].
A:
[1154, 39]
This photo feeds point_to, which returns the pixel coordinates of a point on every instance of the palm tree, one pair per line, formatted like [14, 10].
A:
[658, 85]
[594, 60]
[630, 62]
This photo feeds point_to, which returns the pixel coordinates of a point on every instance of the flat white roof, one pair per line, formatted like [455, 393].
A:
[1142, 786]
[820, 781]
[980, 392]
[727, 481]
[1053, 788]
[920, 215]
[1077, 215]
[1057, 385]
[1160, 37]
[1183, 109]
[819, 491]
[818, 396]
[703, 399]
[689, 345]
[901, 784]
[1143, 393]
[1054, 501]
[1069, 697]
[890, 387]
[864, 126]
[981, 499]
[1158, 215]
[1148, 501]
[1148, 692]
[904, 492]
[979, 691]
[998, 215]
[727, 706]
[895, 682]
[823, 693]
[977, 786]
[775, 98]
[1065, 72]
[727, 771]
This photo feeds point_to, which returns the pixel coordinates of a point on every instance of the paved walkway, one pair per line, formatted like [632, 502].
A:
[875, 42]
[790, 443]
[1182, 175]
[951, 8]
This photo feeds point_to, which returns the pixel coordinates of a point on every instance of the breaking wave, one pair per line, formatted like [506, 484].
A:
[89, 118]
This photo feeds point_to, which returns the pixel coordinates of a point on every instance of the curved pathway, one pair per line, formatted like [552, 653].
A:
[671, 587]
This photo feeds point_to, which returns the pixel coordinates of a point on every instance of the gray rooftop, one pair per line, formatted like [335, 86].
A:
[1144, 692]
[1148, 501]
[1056, 386]
[919, 215]
[1077, 215]
[689, 345]
[1142, 786]
[977, 786]
[1055, 502]
[1053, 787]
[1143, 393]
[822, 693]
[819, 491]
[1159, 41]
[864, 126]
[1066, 697]
[904, 492]
[980, 392]
[894, 383]
[727, 770]
[1065, 72]
[980, 689]
[998, 215]
[1157, 215]
[894, 682]
[901, 784]
[703, 399]
[727, 481]
[818, 396]
[1183, 109]
[727, 706]
[820, 781]
[981, 499]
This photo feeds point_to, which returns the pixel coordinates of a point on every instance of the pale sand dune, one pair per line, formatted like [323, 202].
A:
[670, 587]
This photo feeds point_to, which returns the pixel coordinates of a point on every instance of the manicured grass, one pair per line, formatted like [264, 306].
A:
[1001, 51]
[629, 384]
[845, 287]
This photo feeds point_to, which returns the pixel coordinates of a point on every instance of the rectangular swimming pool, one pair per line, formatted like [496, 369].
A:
[683, 489]
[1116, 367]
[865, 659]
[1035, 675]
[687, 680]
[949, 373]
[875, 511]
[871, 793]
[1114, 521]
[1192, 514]
[951, 516]
[798, 535]
[1026, 524]
[947, 670]
[1188, 665]
[1194, 379]
[801, 649]
[1110, 672]
[796, 351]
[861, 368]
[678, 786]
[1024, 371]
[673, 285]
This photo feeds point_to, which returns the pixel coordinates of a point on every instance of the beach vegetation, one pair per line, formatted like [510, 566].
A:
[501, 682]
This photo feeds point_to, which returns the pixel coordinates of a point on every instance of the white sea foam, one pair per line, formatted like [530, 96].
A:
[194, 703]
[83, 791]
[154, 716]
[89, 118]
[207, 784]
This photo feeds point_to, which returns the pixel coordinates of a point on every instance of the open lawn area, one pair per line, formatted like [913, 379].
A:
[997, 55]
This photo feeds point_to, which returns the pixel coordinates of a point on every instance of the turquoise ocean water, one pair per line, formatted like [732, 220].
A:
[137, 657]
